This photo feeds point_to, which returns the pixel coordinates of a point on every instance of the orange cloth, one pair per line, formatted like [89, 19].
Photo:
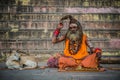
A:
[91, 61]
[82, 53]
[66, 62]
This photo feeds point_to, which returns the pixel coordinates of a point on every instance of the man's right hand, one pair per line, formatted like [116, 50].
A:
[60, 26]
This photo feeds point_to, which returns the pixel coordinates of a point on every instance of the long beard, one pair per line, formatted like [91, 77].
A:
[73, 36]
[75, 39]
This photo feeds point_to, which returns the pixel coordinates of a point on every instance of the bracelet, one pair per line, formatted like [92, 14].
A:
[98, 50]
[56, 32]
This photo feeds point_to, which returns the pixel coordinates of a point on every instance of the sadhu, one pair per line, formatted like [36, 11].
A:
[75, 51]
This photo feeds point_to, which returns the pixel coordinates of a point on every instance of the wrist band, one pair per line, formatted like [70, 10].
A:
[98, 50]
[56, 32]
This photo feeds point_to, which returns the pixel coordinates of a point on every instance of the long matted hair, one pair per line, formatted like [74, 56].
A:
[78, 35]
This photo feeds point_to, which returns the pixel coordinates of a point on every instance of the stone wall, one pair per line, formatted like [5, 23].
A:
[28, 25]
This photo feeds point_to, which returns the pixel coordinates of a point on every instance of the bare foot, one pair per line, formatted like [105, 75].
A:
[61, 70]
[43, 67]
[102, 69]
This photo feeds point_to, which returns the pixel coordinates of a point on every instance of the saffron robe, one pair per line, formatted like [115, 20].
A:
[81, 54]
[82, 57]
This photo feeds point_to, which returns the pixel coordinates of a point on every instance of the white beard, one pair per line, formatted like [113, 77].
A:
[73, 36]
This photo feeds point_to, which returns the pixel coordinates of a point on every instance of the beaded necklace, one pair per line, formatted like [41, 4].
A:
[74, 47]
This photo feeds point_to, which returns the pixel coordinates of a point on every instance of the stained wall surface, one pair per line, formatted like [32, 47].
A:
[29, 24]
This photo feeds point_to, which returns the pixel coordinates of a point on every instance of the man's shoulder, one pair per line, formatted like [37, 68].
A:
[84, 35]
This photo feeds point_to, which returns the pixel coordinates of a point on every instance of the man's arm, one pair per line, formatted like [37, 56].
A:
[90, 45]
[56, 32]
[57, 39]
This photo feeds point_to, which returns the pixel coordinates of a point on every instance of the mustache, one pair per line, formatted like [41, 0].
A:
[73, 35]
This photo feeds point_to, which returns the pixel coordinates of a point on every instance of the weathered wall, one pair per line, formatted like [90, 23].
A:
[28, 24]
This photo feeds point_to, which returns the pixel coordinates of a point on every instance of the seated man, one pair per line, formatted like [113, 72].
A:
[76, 44]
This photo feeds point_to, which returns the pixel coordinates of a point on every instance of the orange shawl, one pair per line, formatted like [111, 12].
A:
[82, 53]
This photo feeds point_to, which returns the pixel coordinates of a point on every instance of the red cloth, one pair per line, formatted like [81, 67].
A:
[56, 32]
[97, 50]
[52, 62]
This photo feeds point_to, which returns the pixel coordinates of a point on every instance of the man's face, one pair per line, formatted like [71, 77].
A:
[73, 33]
[73, 28]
